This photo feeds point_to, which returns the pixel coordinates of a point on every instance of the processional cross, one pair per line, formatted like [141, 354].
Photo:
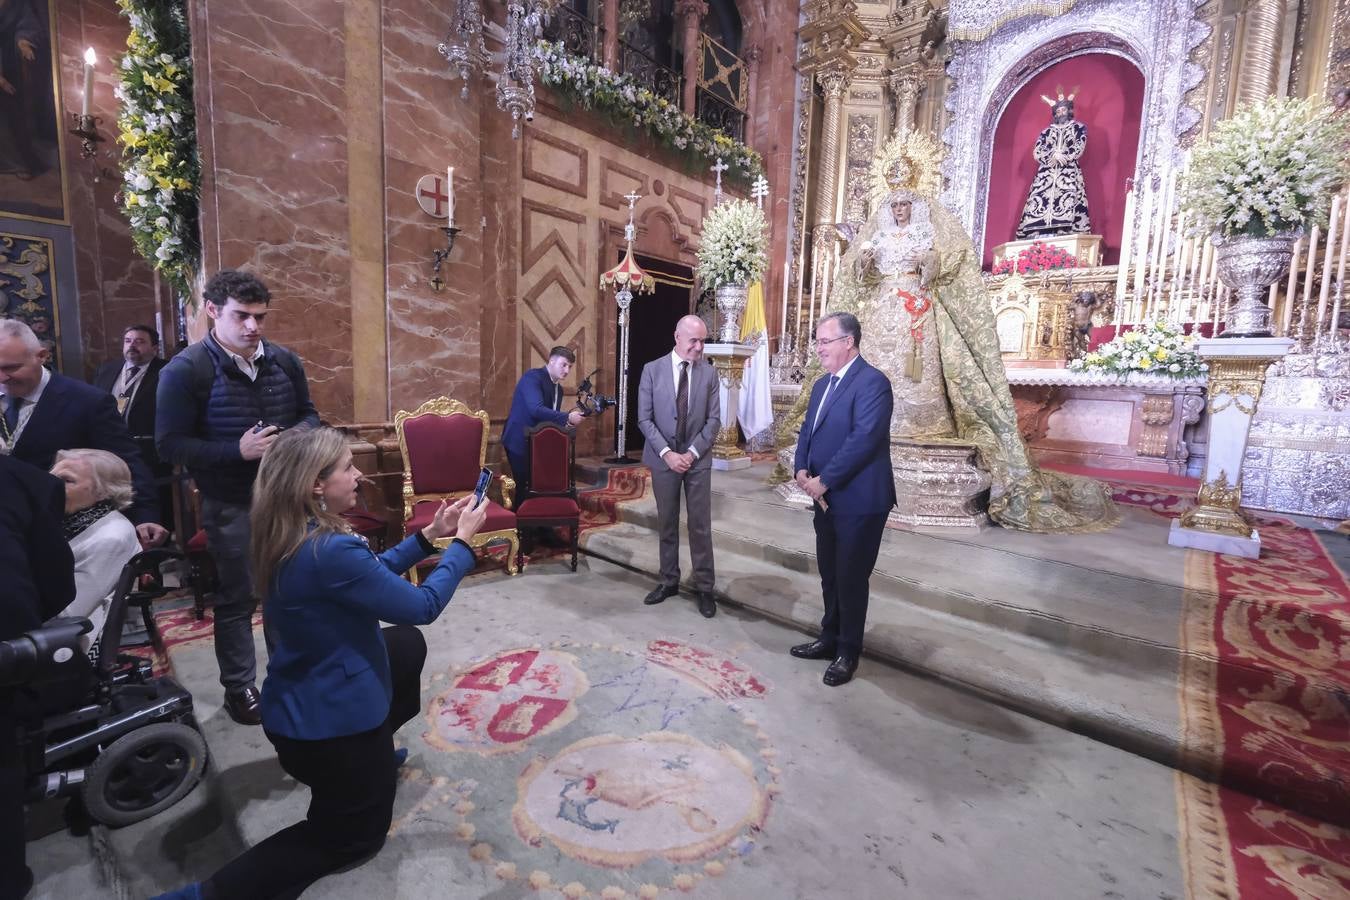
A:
[629, 233]
[759, 190]
[719, 167]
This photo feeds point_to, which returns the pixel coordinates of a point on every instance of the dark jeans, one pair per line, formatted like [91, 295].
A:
[227, 534]
[351, 780]
[846, 552]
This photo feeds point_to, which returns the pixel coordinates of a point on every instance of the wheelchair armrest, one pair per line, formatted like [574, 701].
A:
[43, 650]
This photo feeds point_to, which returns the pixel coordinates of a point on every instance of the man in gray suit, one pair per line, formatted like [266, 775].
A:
[679, 412]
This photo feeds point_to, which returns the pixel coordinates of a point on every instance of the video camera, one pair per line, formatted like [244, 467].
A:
[588, 401]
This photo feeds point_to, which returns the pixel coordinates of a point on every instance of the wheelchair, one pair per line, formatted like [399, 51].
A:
[111, 734]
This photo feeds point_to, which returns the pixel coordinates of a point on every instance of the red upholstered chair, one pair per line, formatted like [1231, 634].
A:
[552, 500]
[444, 444]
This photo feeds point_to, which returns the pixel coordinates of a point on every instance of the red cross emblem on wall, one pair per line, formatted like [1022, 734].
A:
[431, 196]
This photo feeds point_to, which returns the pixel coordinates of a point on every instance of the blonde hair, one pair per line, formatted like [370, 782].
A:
[108, 473]
[284, 502]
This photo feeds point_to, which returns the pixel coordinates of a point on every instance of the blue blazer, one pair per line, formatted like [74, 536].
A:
[850, 448]
[531, 404]
[328, 669]
[73, 415]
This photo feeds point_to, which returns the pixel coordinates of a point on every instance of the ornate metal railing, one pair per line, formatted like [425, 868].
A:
[723, 88]
[660, 80]
[720, 115]
[575, 31]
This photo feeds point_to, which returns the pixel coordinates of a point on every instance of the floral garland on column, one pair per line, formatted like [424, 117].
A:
[623, 97]
[158, 133]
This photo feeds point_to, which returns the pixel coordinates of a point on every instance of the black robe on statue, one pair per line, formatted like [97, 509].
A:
[1057, 202]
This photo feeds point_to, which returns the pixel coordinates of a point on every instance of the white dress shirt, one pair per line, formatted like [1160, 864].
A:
[828, 391]
[25, 412]
[248, 366]
[128, 386]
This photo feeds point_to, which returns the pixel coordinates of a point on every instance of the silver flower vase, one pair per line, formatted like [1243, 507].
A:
[730, 306]
[1249, 266]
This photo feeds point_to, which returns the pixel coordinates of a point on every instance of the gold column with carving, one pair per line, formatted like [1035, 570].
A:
[833, 81]
[1262, 36]
[690, 13]
[905, 87]
[730, 370]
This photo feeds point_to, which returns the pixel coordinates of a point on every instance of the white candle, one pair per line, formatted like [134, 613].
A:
[1307, 283]
[450, 192]
[1288, 313]
[89, 59]
[1141, 251]
[787, 273]
[825, 283]
[815, 291]
[1327, 259]
[1160, 229]
[1123, 266]
[801, 285]
[1340, 274]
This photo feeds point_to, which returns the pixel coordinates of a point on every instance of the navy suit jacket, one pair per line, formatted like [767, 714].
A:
[531, 404]
[72, 415]
[328, 670]
[850, 448]
[35, 559]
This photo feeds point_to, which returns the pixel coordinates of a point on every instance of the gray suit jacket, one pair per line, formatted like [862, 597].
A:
[656, 411]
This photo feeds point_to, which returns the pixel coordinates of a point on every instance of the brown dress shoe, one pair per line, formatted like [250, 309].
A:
[245, 706]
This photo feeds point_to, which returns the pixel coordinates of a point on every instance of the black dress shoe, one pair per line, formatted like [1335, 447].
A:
[245, 706]
[707, 604]
[813, 650]
[661, 592]
[841, 670]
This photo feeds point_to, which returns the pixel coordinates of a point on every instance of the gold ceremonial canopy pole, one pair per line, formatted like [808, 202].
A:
[627, 277]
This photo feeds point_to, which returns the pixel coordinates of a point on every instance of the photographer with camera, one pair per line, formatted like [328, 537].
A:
[538, 398]
[219, 407]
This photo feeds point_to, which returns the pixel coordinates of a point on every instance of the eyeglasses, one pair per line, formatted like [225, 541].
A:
[821, 342]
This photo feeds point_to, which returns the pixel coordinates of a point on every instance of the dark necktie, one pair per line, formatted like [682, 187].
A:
[829, 392]
[682, 408]
[131, 373]
[12, 416]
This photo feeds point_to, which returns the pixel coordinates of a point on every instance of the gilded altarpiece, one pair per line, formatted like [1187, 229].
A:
[28, 288]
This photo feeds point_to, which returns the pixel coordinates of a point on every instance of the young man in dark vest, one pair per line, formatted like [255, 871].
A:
[220, 404]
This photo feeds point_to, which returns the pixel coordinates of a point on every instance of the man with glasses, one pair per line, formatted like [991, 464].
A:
[844, 464]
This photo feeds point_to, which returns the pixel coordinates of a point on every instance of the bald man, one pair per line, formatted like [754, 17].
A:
[679, 412]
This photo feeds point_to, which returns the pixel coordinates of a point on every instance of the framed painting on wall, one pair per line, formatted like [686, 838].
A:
[32, 180]
[28, 289]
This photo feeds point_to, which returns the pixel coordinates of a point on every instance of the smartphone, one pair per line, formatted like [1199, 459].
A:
[480, 489]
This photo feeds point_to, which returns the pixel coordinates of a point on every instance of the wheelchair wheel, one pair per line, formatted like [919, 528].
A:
[144, 772]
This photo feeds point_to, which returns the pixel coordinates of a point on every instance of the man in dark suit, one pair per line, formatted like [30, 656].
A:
[39, 583]
[538, 399]
[679, 412]
[44, 412]
[132, 381]
[844, 463]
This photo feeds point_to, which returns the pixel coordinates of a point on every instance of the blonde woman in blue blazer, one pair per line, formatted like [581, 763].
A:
[338, 684]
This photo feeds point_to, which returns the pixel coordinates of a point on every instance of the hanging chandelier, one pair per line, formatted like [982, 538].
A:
[465, 50]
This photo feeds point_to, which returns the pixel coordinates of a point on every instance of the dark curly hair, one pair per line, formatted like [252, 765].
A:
[242, 286]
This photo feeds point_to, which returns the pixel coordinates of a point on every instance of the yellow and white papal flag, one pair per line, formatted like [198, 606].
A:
[756, 407]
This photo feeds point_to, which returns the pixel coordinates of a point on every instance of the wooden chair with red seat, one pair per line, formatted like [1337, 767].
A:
[552, 499]
[444, 443]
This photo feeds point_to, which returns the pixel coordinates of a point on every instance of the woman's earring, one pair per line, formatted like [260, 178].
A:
[323, 504]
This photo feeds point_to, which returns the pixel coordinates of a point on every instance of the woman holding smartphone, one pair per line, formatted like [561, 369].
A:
[338, 685]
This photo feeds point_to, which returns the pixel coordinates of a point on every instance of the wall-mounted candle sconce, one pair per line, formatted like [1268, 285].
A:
[439, 256]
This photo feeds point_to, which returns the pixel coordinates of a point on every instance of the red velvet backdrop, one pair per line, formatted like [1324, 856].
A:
[1109, 102]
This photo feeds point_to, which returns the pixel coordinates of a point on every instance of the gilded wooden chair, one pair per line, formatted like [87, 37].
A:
[444, 444]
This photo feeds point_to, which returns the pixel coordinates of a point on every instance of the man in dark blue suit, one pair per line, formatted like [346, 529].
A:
[538, 398]
[44, 412]
[844, 463]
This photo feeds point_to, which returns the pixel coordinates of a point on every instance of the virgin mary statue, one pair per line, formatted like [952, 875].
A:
[912, 277]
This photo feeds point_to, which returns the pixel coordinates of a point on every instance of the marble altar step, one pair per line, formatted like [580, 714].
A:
[1082, 631]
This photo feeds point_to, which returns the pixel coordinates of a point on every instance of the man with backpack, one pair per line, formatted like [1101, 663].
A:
[220, 404]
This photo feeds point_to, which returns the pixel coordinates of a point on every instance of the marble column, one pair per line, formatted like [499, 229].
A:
[609, 51]
[834, 81]
[1237, 374]
[1262, 36]
[690, 14]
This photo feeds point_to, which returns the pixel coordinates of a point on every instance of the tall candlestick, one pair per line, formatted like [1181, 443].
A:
[787, 273]
[815, 290]
[450, 192]
[801, 289]
[1307, 283]
[1160, 229]
[1123, 265]
[1288, 313]
[1345, 236]
[89, 59]
[1327, 259]
[1141, 251]
[825, 283]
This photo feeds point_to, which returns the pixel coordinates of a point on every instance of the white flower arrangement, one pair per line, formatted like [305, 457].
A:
[1160, 348]
[158, 133]
[735, 246]
[1270, 169]
[625, 99]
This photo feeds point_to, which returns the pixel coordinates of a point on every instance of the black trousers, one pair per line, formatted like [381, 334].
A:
[846, 552]
[520, 471]
[15, 877]
[351, 779]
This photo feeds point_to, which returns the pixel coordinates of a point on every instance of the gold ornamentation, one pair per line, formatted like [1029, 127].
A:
[910, 162]
[1218, 508]
[1233, 377]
